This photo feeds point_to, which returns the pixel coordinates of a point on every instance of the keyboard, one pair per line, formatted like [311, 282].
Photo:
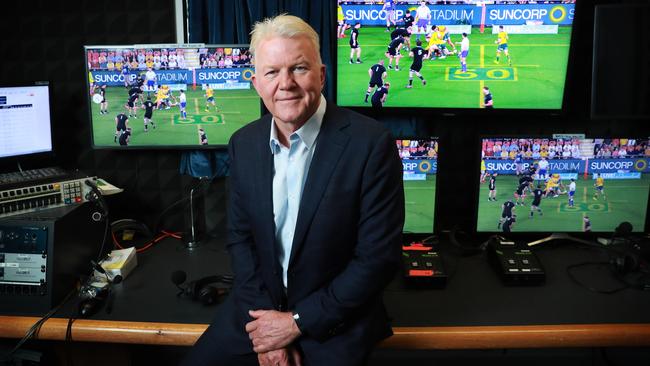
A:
[29, 176]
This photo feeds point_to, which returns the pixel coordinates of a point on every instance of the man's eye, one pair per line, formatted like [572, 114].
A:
[300, 69]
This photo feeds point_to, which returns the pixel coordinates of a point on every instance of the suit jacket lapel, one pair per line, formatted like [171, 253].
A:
[264, 185]
[331, 144]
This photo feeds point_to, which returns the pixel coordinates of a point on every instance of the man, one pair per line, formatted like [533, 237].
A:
[340, 17]
[393, 51]
[509, 223]
[506, 212]
[418, 53]
[600, 187]
[121, 124]
[354, 43]
[408, 19]
[422, 18]
[464, 51]
[502, 45]
[148, 114]
[542, 170]
[182, 104]
[134, 95]
[402, 32]
[492, 187]
[538, 193]
[572, 192]
[203, 138]
[103, 105]
[377, 74]
[487, 98]
[209, 99]
[389, 9]
[586, 224]
[380, 95]
[315, 216]
[125, 137]
[151, 79]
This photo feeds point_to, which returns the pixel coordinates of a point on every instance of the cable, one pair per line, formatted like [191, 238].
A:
[569, 271]
[181, 200]
[34, 329]
[164, 234]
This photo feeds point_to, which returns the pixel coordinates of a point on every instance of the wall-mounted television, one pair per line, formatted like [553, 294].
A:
[519, 51]
[420, 166]
[25, 120]
[169, 95]
[563, 185]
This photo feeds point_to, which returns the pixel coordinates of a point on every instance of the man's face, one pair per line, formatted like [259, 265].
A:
[289, 78]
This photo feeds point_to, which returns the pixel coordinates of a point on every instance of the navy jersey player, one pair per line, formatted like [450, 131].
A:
[402, 32]
[148, 107]
[538, 194]
[121, 124]
[488, 103]
[377, 74]
[509, 223]
[507, 211]
[492, 187]
[380, 95]
[125, 137]
[408, 19]
[103, 105]
[354, 43]
[393, 51]
[418, 53]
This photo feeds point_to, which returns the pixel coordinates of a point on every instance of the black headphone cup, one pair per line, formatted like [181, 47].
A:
[203, 291]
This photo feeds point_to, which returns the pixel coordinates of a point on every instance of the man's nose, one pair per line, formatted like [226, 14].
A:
[286, 79]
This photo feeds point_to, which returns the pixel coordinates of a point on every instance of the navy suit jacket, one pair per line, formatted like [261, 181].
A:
[347, 240]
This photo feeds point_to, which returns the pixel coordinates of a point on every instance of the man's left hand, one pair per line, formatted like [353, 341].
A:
[271, 330]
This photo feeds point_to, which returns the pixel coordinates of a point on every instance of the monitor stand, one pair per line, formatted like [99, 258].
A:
[560, 236]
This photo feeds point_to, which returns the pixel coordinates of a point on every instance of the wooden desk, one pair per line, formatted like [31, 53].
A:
[482, 337]
[474, 311]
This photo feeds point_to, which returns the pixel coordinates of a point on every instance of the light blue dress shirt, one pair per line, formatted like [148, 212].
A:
[290, 168]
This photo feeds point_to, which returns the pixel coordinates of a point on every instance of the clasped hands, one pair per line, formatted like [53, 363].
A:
[272, 333]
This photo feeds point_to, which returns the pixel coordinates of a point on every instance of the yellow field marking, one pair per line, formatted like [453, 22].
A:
[196, 106]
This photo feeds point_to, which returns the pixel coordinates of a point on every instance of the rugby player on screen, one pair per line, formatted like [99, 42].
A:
[502, 45]
[354, 43]
[417, 53]
[393, 51]
[377, 75]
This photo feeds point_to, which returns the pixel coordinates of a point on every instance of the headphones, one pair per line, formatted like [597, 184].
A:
[202, 290]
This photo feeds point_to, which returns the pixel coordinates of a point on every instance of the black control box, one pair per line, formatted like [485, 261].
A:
[423, 267]
[516, 266]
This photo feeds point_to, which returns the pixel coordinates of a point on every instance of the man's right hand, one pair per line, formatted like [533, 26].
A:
[288, 356]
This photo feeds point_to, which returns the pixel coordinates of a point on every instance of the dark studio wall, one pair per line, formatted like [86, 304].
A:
[43, 40]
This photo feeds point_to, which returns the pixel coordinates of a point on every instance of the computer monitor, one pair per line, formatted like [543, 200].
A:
[174, 96]
[519, 52]
[563, 185]
[420, 165]
[25, 120]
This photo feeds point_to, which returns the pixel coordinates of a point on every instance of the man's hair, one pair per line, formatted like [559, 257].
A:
[285, 26]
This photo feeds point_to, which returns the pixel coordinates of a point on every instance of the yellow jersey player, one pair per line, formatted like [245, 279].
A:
[209, 99]
[502, 45]
[600, 187]
[435, 43]
[340, 17]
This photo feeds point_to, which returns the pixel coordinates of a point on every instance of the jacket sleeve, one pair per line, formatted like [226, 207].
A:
[248, 289]
[377, 252]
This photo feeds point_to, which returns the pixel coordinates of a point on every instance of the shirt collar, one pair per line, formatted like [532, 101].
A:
[307, 133]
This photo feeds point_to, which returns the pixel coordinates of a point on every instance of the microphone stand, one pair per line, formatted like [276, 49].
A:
[193, 242]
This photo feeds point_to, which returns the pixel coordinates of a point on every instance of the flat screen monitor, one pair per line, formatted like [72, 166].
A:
[563, 185]
[169, 96]
[519, 51]
[25, 120]
[420, 165]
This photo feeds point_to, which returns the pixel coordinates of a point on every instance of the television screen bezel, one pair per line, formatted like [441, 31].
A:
[40, 155]
[537, 234]
[469, 112]
[152, 45]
